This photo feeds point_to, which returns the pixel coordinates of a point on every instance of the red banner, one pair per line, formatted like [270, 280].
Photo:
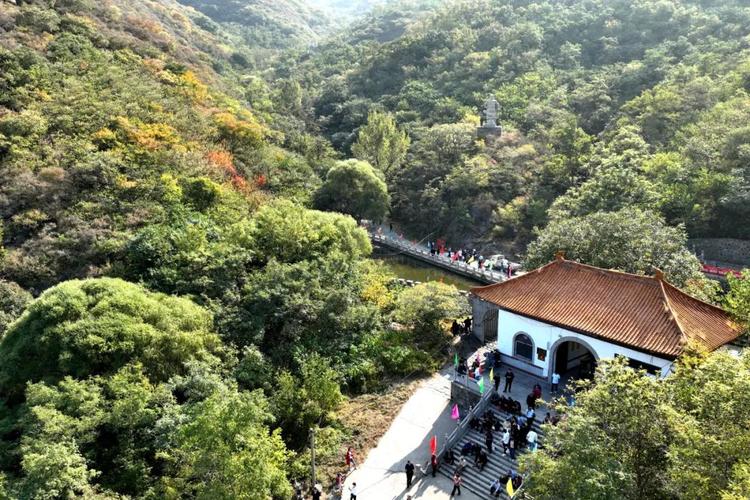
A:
[720, 271]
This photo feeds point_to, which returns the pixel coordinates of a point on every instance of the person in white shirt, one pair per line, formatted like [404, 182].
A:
[531, 438]
[555, 381]
[353, 491]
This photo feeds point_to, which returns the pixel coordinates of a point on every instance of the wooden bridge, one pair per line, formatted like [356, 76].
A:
[422, 253]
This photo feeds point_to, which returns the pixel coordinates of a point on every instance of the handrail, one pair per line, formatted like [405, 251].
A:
[443, 260]
[459, 431]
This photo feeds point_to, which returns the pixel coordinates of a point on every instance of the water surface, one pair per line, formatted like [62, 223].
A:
[412, 269]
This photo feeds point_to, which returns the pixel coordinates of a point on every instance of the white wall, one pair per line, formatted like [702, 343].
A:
[545, 336]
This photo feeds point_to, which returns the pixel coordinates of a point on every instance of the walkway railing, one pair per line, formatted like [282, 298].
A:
[420, 252]
[455, 436]
[461, 429]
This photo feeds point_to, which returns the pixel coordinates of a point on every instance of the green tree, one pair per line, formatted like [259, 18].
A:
[739, 487]
[60, 418]
[254, 371]
[425, 309]
[286, 232]
[353, 187]
[13, 300]
[609, 190]
[451, 142]
[709, 443]
[309, 402]
[630, 240]
[737, 300]
[224, 450]
[611, 444]
[381, 143]
[94, 327]
[314, 306]
[630, 435]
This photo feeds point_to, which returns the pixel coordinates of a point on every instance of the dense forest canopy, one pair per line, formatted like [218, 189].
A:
[185, 290]
[194, 317]
[267, 23]
[605, 104]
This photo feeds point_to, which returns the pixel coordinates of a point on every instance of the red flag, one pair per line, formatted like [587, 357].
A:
[433, 445]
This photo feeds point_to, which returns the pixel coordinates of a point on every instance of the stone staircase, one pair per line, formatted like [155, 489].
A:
[498, 464]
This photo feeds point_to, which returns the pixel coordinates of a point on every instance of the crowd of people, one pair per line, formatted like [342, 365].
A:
[509, 435]
[439, 248]
[461, 328]
[470, 257]
[515, 433]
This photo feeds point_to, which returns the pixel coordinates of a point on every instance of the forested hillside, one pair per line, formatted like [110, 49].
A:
[185, 290]
[173, 319]
[605, 105]
[267, 23]
[102, 116]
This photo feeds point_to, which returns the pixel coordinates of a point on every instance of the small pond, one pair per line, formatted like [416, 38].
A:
[411, 269]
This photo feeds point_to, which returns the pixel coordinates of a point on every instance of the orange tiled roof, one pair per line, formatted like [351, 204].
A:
[642, 312]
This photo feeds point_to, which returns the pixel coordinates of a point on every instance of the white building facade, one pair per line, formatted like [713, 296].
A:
[534, 347]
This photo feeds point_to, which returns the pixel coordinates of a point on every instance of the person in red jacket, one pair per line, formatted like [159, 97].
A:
[350, 461]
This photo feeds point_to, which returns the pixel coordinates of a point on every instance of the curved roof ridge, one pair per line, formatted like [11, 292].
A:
[515, 278]
[684, 337]
[616, 272]
[696, 299]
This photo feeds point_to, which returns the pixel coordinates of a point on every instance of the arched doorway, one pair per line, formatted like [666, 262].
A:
[573, 358]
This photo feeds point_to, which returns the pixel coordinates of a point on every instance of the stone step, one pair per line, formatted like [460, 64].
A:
[503, 415]
[476, 480]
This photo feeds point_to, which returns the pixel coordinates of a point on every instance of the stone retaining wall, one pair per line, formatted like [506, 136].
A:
[727, 250]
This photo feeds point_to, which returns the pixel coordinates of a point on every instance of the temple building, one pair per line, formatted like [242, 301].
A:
[566, 316]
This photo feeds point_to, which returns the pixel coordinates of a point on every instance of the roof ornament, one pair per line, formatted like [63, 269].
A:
[560, 255]
[658, 274]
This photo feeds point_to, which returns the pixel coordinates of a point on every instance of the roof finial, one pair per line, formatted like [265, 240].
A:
[658, 274]
[560, 255]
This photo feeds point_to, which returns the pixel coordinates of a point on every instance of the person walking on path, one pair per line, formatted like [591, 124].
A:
[456, 484]
[532, 438]
[555, 382]
[353, 491]
[488, 440]
[509, 375]
[497, 381]
[434, 463]
[350, 461]
[409, 473]
[506, 440]
[537, 391]
[530, 401]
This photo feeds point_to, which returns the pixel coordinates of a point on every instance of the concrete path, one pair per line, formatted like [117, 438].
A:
[382, 476]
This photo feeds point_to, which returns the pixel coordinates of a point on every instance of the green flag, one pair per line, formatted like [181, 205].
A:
[480, 383]
[455, 361]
